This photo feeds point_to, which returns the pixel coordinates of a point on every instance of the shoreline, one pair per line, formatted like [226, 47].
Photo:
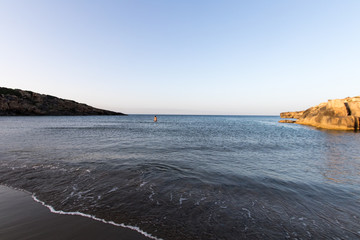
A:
[25, 217]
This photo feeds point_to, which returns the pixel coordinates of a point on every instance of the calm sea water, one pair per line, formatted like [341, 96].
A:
[190, 177]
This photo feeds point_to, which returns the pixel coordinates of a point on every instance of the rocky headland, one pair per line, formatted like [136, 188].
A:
[337, 114]
[16, 102]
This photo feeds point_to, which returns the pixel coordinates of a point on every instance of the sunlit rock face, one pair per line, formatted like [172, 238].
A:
[297, 114]
[337, 114]
[15, 102]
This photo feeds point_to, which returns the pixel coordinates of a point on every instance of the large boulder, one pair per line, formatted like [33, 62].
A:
[338, 114]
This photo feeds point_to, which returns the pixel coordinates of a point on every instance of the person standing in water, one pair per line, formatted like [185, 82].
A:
[155, 119]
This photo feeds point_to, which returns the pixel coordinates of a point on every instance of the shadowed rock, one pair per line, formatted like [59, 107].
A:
[287, 121]
[16, 102]
[338, 114]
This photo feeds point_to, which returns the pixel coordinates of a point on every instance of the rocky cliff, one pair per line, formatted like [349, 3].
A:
[338, 114]
[16, 102]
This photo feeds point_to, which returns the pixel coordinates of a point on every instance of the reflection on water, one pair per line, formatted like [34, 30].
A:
[342, 162]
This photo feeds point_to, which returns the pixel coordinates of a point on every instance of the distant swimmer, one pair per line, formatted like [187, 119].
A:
[155, 119]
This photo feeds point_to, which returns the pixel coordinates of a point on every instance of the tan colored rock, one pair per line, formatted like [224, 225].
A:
[336, 108]
[354, 105]
[337, 114]
[297, 114]
[328, 122]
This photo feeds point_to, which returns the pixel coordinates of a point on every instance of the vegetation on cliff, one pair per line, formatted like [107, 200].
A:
[16, 102]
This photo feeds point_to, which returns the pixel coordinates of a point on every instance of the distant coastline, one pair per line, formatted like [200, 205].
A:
[17, 102]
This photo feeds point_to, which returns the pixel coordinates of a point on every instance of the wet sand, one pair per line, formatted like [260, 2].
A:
[23, 218]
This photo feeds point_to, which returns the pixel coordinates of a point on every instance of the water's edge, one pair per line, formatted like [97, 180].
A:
[53, 210]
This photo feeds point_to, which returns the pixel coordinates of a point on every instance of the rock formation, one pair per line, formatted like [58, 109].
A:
[338, 114]
[16, 102]
[287, 121]
[291, 114]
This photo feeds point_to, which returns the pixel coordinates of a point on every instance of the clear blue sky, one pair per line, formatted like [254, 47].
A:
[183, 57]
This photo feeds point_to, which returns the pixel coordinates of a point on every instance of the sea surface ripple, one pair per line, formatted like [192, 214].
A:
[190, 177]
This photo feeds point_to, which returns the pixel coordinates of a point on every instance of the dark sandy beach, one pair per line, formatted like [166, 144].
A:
[23, 218]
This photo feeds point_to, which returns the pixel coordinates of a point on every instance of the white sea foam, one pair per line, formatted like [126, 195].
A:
[221, 204]
[151, 195]
[198, 202]
[53, 210]
[248, 211]
[181, 199]
[113, 189]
